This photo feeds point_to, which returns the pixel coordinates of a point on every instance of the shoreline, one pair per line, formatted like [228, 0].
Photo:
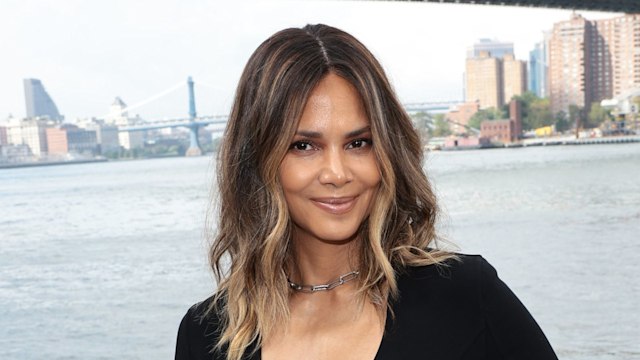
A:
[49, 163]
[86, 161]
[552, 141]
[562, 141]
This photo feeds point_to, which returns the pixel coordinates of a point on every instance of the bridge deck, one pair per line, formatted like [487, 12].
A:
[625, 6]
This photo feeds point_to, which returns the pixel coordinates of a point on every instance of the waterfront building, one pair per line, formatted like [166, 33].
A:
[131, 139]
[118, 116]
[496, 48]
[70, 139]
[593, 60]
[14, 153]
[484, 80]
[504, 131]
[38, 101]
[625, 108]
[3, 136]
[498, 131]
[465, 142]
[106, 134]
[30, 132]
[514, 77]
[460, 115]
[57, 141]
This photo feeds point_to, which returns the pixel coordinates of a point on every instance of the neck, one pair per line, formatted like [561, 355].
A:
[319, 262]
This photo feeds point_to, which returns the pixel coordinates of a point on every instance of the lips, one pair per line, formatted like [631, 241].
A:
[335, 205]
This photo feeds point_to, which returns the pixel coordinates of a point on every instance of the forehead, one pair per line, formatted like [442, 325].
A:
[334, 102]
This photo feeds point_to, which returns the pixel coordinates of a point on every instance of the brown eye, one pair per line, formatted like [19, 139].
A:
[301, 146]
[359, 143]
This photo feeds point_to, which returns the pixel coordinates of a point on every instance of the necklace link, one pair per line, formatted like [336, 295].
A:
[324, 287]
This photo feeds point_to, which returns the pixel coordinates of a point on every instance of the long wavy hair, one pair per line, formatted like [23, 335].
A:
[251, 249]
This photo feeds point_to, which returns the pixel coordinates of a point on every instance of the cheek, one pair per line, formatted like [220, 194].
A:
[294, 176]
[370, 172]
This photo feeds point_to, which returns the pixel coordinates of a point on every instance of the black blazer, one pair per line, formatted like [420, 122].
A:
[461, 311]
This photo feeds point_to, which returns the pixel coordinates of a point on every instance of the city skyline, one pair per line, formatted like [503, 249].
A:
[92, 53]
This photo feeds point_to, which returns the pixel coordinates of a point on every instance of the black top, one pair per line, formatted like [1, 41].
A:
[463, 311]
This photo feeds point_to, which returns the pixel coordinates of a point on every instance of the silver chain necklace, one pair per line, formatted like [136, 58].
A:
[332, 285]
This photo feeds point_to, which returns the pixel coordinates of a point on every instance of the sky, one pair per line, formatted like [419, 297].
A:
[88, 52]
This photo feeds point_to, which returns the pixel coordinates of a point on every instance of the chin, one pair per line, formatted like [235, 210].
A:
[329, 233]
[339, 238]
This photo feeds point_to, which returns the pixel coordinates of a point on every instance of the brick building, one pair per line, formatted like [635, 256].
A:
[460, 115]
[504, 131]
[71, 139]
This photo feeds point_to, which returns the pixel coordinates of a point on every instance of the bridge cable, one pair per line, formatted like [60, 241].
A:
[149, 99]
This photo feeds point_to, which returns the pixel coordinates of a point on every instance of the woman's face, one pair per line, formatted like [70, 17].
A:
[330, 174]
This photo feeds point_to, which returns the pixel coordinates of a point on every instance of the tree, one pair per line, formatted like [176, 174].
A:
[539, 115]
[597, 115]
[575, 116]
[536, 112]
[441, 126]
[561, 122]
[636, 101]
[526, 100]
[486, 114]
[423, 122]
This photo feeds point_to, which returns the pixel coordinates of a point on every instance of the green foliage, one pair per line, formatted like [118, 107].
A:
[597, 115]
[147, 152]
[536, 112]
[561, 122]
[486, 114]
[538, 115]
[441, 126]
[575, 115]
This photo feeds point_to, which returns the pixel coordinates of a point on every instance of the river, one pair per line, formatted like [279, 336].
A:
[101, 261]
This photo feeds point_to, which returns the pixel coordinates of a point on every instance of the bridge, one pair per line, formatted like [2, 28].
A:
[626, 6]
[194, 122]
[431, 107]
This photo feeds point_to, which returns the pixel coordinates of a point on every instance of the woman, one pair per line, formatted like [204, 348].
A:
[326, 232]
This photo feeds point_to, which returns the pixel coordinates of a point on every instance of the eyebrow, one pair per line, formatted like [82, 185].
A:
[350, 134]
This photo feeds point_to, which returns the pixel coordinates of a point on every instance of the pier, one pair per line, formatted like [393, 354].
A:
[571, 140]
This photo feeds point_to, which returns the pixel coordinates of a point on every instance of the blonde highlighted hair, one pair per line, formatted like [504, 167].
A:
[251, 250]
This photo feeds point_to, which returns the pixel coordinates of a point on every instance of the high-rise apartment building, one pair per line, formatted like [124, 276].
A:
[514, 74]
[593, 60]
[38, 101]
[569, 67]
[615, 58]
[484, 80]
[497, 49]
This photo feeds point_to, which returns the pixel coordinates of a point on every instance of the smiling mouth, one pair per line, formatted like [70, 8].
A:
[335, 205]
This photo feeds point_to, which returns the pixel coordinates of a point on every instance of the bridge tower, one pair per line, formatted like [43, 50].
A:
[194, 146]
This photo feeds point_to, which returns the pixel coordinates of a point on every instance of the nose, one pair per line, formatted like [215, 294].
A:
[335, 169]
